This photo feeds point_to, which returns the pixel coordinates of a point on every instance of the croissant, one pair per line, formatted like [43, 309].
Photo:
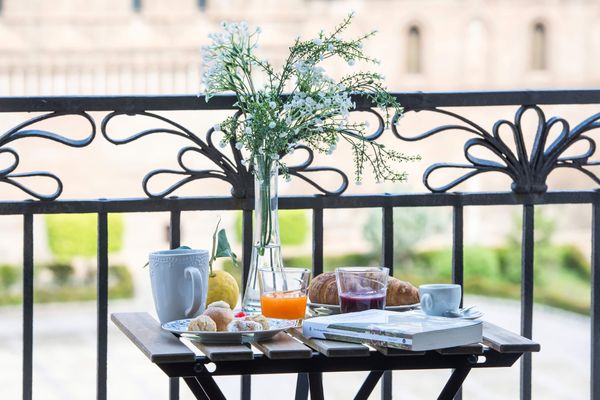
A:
[323, 290]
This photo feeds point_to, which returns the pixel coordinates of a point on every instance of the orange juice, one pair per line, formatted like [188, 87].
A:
[283, 305]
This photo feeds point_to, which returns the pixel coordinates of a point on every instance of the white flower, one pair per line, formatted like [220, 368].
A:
[359, 45]
[272, 104]
[239, 145]
[222, 143]
[367, 124]
[330, 47]
[318, 41]
[248, 130]
[258, 29]
[282, 134]
[358, 182]
[217, 127]
[351, 62]
[272, 124]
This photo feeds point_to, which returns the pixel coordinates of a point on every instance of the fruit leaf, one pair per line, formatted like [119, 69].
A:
[223, 247]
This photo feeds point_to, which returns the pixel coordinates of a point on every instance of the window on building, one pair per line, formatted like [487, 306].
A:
[539, 50]
[414, 51]
[202, 5]
[136, 5]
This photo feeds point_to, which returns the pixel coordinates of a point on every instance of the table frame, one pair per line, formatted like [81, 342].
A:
[500, 348]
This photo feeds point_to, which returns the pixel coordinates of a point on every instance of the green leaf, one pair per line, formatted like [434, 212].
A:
[223, 247]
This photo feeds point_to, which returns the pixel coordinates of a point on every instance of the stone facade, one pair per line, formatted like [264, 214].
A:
[98, 47]
[108, 47]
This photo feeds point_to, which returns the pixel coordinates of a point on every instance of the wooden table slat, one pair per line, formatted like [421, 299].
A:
[157, 344]
[505, 341]
[393, 352]
[331, 348]
[282, 346]
[225, 352]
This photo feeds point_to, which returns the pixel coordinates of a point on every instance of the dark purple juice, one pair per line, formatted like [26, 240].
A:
[351, 302]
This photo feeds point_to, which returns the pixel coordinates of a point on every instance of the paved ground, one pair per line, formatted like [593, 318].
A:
[64, 363]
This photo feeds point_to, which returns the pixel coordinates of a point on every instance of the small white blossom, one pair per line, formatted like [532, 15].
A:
[351, 62]
[330, 47]
[272, 104]
[288, 178]
[248, 130]
[282, 134]
[217, 127]
[358, 182]
[222, 143]
[318, 41]
[239, 145]
[272, 124]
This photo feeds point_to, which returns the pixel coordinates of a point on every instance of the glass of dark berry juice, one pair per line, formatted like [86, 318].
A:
[361, 288]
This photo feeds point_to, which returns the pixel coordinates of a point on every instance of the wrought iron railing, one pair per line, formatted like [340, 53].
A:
[527, 169]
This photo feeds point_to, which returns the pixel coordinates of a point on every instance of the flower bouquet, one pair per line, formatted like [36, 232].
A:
[297, 104]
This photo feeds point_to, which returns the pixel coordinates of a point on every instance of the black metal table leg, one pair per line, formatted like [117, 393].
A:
[302, 387]
[196, 389]
[315, 382]
[173, 388]
[454, 383]
[245, 387]
[386, 386]
[368, 385]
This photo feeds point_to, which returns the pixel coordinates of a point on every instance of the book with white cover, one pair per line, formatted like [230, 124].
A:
[411, 330]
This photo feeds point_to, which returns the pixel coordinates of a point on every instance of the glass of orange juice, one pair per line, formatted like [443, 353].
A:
[283, 292]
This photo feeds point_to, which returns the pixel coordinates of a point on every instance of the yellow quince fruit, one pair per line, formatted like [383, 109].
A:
[222, 286]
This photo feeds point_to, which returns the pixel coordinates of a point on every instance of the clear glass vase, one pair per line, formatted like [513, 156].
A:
[266, 248]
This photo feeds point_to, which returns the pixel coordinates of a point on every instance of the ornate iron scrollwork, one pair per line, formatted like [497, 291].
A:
[528, 172]
[21, 131]
[234, 171]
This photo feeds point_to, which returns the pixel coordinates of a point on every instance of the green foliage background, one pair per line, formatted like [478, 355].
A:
[293, 227]
[75, 235]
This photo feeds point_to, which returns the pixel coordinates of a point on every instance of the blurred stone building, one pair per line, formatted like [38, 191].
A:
[119, 47]
[151, 46]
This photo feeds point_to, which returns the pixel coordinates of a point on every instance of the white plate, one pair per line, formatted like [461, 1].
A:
[471, 314]
[179, 327]
[329, 309]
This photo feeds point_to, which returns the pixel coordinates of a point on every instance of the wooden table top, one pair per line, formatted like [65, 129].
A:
[161, 346]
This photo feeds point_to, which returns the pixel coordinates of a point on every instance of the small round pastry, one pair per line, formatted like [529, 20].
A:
[220, 304]
[260, 319]
[240, 325]
[220, 312]
[202, 323]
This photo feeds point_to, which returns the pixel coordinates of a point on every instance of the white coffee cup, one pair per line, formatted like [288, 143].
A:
[179, 281]
[440, 298]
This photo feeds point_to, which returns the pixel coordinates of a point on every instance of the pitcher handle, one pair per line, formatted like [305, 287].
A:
[196, 277]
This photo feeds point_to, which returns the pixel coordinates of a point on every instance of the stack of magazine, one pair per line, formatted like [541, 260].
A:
[411, 330]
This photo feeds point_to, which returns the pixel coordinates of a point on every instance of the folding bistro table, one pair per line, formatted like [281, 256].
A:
[290, 352]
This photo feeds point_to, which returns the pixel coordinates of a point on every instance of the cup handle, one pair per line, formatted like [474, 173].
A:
[426, 302]
[193, 274]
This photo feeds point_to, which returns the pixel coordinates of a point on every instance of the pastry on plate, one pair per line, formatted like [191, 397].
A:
[202, 323]
[400, 293]
[260, 319]
[221, 313]
[240, 325]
